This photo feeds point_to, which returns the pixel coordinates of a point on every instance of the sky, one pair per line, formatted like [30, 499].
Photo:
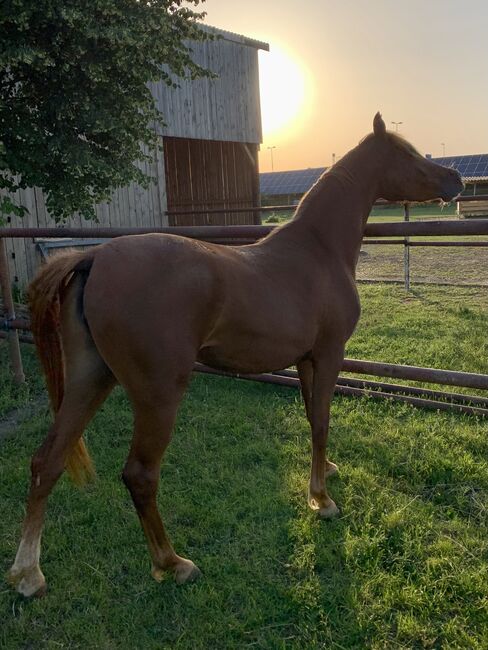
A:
[333, 63]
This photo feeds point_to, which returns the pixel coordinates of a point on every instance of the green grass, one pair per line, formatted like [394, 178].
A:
[388, 213]
[420, 211]
[11, 395]
[405, 566]
[440, 327]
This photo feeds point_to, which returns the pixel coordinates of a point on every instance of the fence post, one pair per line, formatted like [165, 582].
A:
[8, 303]
[406, 251]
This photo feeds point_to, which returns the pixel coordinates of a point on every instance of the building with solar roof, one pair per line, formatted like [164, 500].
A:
[474, 172]
[288, 187]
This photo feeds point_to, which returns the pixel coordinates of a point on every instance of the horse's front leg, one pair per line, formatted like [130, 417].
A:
[327, 363]
[305, 373]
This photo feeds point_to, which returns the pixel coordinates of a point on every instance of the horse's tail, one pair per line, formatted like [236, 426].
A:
[44, 303]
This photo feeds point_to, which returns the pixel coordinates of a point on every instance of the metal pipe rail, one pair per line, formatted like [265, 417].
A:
[238, 234]
[23, 338]
[285, 378]
[401, 388]
[471, 400]
[358, 366]
[208, 233]
[15, 324]
[215, 233]
[426, 244]
[417, 373]
[427, 228]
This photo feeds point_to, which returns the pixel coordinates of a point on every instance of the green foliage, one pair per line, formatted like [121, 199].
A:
[76, 112]
[279, 217]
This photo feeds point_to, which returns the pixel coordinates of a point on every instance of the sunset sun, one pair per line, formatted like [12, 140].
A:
[283, 90]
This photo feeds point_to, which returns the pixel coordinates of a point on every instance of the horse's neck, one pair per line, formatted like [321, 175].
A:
[335, 211]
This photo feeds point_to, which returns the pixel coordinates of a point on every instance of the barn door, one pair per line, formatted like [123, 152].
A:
[207, 174]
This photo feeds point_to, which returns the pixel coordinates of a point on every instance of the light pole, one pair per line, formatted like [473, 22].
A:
[397, 124]
[271, 152]
[443, 145]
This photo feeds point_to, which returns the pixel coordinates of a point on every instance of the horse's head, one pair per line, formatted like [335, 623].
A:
[407, 175]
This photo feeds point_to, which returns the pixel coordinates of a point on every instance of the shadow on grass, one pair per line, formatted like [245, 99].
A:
[274, 575]
[233, 498]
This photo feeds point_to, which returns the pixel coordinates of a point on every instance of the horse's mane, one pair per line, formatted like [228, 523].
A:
[398, 139]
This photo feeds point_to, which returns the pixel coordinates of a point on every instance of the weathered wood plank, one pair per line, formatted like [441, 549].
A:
[225, 108]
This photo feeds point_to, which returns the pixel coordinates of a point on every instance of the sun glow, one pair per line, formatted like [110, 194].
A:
[283, 89]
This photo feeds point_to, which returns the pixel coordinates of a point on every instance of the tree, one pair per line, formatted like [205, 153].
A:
[75, 108]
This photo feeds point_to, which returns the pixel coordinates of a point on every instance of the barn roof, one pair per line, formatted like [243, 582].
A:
[236, 38]
[472, 168]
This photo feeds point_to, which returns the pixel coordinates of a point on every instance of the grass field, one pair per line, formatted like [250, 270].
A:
[405, 566]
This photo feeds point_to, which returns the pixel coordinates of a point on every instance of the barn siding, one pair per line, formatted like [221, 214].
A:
[131, 206]
[226, 108]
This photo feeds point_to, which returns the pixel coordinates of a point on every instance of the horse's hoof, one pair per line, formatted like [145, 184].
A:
[158, 574]
[330, 469]
[183, 570]
[30, 582]
[186, 571]
[330, 510]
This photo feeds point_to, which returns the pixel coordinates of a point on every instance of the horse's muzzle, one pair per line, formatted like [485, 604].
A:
[452, 187]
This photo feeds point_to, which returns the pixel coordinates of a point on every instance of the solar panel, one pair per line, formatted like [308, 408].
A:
[289, 182]
[468, 166]
[301, 180]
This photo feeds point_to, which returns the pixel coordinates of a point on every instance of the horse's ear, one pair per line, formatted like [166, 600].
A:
[379, 127]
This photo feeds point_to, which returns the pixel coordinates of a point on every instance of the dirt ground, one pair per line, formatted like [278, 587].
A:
[464, 266]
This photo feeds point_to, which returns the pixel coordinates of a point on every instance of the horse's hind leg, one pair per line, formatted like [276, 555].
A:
[47, 466]
[155, 406]
[87, 383]
[305, 373]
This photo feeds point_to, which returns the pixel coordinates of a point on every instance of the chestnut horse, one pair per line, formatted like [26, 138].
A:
[142, 310]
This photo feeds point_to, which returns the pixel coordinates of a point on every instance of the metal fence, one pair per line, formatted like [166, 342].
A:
[405, 261]
[375, 234]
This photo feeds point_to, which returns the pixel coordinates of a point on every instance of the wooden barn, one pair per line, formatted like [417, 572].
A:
[209, 159]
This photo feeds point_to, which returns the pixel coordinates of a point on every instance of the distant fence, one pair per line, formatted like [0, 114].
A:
[239, 234]
[430, 267]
